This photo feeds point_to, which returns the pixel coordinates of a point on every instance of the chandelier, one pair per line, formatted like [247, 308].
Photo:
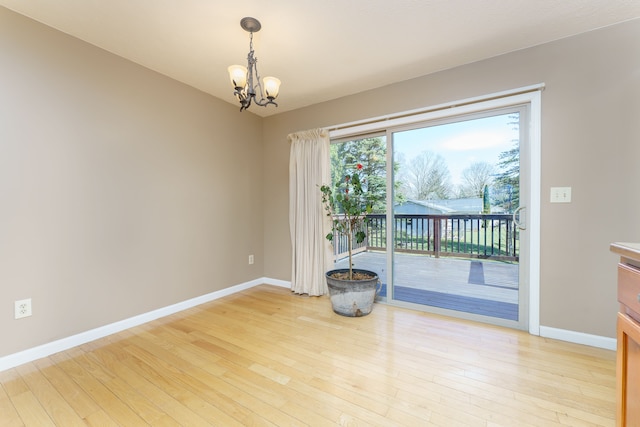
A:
[243, 78]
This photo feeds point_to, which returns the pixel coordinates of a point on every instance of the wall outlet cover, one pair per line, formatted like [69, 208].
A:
[22, 308]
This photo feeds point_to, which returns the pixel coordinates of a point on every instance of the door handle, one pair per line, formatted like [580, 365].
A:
[516, 219]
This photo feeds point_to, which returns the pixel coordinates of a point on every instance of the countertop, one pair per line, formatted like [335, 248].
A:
[627, 250]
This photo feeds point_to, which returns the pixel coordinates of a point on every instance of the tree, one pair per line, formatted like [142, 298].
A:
[475, 177]
[371, 153]
[486, 203]
[507, 181]
[354, 203]
[428, 177]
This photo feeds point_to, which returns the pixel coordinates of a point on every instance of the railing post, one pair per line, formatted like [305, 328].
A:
[436, 236]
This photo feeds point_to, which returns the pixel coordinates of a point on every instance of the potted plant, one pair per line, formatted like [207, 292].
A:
[352, 291]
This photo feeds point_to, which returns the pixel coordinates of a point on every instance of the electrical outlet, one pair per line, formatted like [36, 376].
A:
[250, 259]
[22, 308]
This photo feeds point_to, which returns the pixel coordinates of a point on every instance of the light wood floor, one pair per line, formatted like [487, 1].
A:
[265, 357]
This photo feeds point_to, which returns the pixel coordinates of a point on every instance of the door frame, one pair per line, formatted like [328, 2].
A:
[531, 95]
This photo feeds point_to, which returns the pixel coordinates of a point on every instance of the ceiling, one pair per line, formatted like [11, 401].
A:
[321, 50]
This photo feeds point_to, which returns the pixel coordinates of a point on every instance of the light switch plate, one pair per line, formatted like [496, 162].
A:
[560, 194]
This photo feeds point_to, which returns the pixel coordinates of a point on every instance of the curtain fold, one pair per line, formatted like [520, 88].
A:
[309, 169]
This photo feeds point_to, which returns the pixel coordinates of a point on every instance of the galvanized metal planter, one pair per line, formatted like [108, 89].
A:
[352, 298]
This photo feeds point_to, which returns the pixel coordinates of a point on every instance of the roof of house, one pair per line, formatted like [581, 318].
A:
[472, 205]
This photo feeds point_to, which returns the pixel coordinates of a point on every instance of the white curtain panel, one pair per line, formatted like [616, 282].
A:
[309, 169]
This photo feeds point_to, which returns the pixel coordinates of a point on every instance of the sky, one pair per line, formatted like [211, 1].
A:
[460, 143]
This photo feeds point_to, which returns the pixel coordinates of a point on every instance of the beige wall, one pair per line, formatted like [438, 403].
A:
[121, 191]
[590, 141]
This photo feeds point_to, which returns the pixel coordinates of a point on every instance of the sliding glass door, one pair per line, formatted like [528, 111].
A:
[458, 233]
[456, 245]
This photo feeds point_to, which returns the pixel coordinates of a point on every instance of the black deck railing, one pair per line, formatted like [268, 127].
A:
[493, 236]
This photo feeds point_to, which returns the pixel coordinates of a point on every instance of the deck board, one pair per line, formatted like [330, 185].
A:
[487, 288]
[480, 306]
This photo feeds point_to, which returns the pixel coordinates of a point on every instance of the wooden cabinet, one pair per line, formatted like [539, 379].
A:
[628, 354]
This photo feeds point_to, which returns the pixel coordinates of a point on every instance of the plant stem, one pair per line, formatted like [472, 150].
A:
[350, 246]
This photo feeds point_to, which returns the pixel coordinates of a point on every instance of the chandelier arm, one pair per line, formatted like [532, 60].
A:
[264, 102]
[244, 104]
[257, 89]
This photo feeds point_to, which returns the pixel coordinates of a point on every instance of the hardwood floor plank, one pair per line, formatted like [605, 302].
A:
[30, 410]
[12, 383]
[8, 414]
[100, 419]
[178, 398]
[267, 357]
[116, 408]
[56, 406]
[80, 401]
[177, 406]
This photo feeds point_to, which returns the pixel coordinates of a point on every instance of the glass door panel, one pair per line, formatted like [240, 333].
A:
[371, 153]
[455, 244]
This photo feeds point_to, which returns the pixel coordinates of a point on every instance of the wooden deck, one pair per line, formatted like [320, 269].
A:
[488, 288]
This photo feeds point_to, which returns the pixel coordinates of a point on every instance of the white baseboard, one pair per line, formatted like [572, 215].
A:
[578, 338]
[29, 355]
[276, 282]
